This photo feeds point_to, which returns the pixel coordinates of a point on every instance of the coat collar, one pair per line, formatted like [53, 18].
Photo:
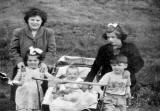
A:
[109, 49]
[39, 33]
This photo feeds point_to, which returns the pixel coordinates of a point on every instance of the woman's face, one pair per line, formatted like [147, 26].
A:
[35, 22]
[114, 40]
[33, 62]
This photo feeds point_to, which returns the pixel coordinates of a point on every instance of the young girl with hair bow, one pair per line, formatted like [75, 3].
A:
[29, 93]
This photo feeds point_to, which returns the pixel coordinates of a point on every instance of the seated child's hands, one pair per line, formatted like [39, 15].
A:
[65, 91]
[69, 98]
[62, 92]
[85, 87]
[53, 81]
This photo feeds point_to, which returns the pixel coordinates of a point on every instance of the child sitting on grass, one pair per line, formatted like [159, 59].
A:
[118, 85]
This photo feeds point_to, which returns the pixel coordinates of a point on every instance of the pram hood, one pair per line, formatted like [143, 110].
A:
[76, 60]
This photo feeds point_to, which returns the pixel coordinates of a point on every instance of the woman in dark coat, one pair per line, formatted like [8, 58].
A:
[35, 34]
[115, 38]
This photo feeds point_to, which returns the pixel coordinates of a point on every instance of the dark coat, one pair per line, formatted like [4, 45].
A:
[105, 54]
[22, 40]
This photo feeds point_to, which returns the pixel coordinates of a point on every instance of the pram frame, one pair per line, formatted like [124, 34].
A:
[83, 83]
[74, 82]
[83, 64]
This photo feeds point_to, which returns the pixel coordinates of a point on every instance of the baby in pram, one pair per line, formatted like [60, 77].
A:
[70, 97]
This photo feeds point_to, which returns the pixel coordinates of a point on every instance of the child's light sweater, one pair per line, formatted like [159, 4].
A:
[117, 84]
[29, 93]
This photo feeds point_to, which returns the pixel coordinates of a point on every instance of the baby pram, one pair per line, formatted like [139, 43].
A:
[83, 64]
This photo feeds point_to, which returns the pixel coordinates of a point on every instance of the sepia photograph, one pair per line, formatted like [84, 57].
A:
[79, 55]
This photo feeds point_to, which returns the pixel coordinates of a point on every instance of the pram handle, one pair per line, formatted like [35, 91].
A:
[74, 82]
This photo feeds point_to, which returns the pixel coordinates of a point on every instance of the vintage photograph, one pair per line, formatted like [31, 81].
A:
[79, 55]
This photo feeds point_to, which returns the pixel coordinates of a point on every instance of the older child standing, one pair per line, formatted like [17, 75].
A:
[29, 92]
[118, 82]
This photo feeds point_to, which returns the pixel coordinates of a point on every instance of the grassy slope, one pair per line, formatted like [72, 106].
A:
[78, 24]
[82, 21]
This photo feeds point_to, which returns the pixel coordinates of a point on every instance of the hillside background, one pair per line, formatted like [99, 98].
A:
[79, 24]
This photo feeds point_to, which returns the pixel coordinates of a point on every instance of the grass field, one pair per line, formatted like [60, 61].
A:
[78, 26]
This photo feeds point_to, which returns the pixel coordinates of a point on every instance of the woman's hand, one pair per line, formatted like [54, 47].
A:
[20, 65]
[10, 82]
[14, 82]
[43, 67]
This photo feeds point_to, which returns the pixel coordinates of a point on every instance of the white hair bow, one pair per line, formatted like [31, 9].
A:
[33, 50]
[112, 24]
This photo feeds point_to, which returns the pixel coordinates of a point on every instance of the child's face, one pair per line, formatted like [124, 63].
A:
[72, 75]
[33, 62]
[119, 68]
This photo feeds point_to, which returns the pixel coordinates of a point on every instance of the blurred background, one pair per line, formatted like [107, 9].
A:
[78, 26]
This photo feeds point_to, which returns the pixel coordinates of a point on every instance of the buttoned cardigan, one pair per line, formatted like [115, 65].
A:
[23, 39]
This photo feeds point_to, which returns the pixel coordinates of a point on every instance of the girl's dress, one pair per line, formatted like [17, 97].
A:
[29, 94]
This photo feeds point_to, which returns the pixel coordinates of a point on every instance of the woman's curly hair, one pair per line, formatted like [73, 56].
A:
[117, 30]
[35, 12]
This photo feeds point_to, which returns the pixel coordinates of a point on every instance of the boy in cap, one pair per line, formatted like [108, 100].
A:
[118, 85]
